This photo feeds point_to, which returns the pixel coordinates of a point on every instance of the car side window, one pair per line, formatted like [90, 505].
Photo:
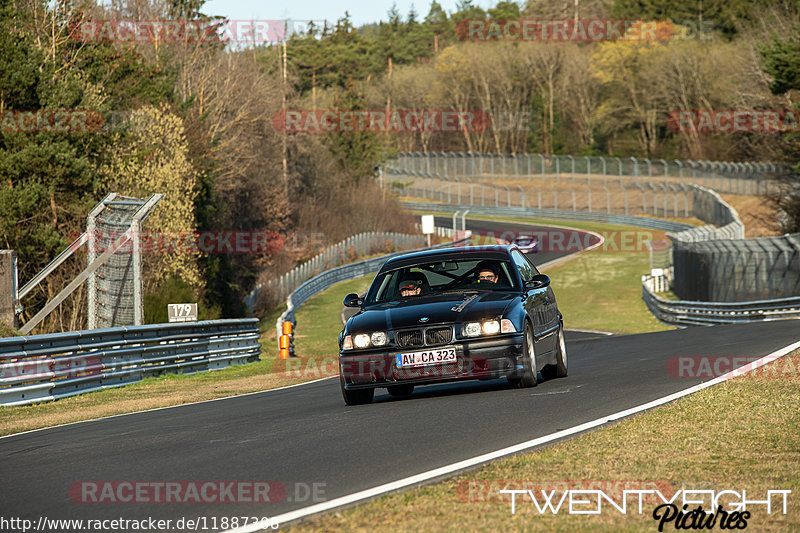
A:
[526, 269]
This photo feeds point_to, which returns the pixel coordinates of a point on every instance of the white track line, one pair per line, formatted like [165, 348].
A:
[467, 463]
[595, 331]
[166, 407]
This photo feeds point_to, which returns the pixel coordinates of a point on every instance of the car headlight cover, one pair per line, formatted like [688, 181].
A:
[347, 343]
[361, 340]
[491, 327]
[379, 338]
[473, 329]
[506, 326]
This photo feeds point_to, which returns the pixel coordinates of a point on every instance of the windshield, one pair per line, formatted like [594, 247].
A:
[441, 277]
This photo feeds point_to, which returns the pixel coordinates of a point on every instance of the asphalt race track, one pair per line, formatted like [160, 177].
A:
[305, 435]
[306, 439]
[550, 249]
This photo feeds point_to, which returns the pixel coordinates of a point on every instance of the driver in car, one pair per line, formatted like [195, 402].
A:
[487, 272]
[411, 287]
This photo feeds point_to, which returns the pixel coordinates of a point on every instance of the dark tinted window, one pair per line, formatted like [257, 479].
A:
[443, 276]
[526, 269]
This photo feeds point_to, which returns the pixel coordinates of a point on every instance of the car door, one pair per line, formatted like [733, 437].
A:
[537, 303]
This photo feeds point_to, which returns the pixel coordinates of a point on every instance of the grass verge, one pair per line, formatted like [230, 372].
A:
[741, 434]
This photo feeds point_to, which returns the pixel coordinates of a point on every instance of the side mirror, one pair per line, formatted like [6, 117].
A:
[538, 281]
[352, 300]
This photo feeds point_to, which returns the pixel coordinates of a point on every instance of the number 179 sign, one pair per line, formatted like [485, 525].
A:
[182, 312]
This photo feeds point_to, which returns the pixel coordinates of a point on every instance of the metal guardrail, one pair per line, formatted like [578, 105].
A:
[690, 313]
[48, 367]
[555, 214]
[330, 277]
[337, 254]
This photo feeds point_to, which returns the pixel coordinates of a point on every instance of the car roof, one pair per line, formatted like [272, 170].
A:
[497, 252]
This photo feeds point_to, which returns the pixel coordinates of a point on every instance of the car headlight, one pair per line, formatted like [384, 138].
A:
[490, 327]
[379, 338]
[347, 343]
[361, 340]
[473, 329]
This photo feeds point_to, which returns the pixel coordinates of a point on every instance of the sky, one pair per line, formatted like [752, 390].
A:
[361, 11]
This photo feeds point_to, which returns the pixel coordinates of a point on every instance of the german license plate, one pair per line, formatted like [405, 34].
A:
[445, 354]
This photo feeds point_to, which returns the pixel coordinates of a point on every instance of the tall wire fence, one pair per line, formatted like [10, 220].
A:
[630, 186]
[711, 263]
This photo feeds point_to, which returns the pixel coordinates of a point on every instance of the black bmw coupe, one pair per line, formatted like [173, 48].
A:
[476, 312]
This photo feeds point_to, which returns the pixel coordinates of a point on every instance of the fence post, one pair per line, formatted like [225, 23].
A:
[8, 288]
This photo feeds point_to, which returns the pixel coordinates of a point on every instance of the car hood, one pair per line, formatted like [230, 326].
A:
[440, 308]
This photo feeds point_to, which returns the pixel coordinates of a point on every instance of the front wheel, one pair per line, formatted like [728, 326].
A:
[528, 377]
[356, 397]
[558, 370]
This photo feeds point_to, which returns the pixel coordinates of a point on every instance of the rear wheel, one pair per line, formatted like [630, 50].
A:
[528, 377]
[356, 397]
[400, 390]
[558, 370]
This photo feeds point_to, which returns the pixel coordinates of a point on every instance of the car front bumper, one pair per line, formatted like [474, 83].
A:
[480, 358]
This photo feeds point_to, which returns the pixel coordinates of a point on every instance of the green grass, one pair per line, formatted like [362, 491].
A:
[602, 290]
[318, 321]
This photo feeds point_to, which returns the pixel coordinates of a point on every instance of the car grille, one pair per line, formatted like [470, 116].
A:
[438, 335]
[430, 337]
[409, 338]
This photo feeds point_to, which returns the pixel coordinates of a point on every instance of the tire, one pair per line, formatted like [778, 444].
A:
[528, 377]
[558, 370]
[356, 397]
[400, 390]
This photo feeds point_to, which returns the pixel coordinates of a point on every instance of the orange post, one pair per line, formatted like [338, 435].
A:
[287, 328]
[284, 346]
